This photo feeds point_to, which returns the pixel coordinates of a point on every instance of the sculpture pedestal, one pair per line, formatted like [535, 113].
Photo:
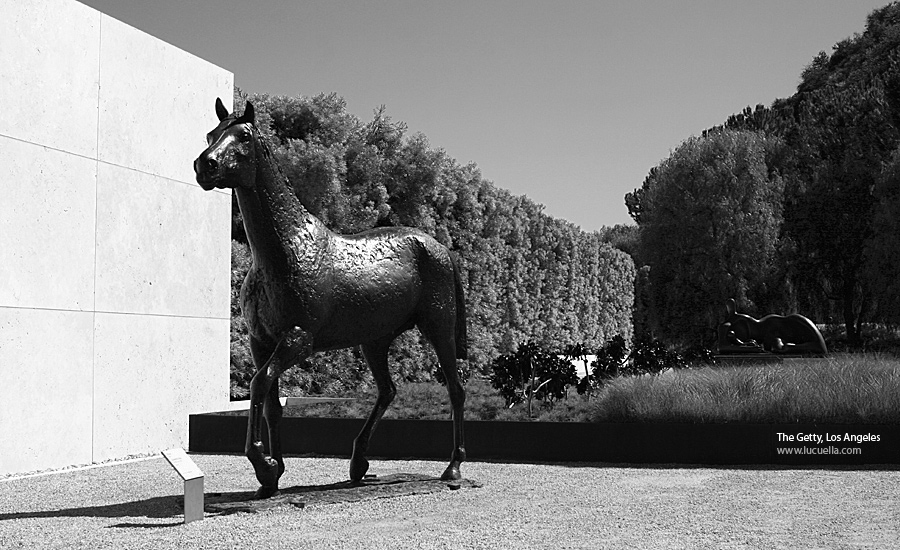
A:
[761, 358]
[370, 487]
[746, 358]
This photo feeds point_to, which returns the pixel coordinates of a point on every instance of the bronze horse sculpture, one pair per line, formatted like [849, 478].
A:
[309, 289]
[794, 333]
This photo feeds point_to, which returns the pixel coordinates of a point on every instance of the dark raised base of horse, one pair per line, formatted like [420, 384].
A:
[371, 487]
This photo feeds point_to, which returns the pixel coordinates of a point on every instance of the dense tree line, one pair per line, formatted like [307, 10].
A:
[528, 276]
[790, 207]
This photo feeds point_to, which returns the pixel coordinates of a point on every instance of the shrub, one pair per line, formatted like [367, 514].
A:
[610, 358]
[647, 357]
[531, 371]
[651, 356]
[697, 354]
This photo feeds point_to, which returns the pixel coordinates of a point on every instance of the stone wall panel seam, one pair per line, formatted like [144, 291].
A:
[96, 237]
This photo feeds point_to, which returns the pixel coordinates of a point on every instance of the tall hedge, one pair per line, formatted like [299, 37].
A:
[528, 276]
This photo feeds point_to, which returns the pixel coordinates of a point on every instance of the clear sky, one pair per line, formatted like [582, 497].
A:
[568, 102]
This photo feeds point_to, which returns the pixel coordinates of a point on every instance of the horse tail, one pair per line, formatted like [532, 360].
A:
[462, 346]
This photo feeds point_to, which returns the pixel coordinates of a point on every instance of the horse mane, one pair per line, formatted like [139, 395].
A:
[265, 150]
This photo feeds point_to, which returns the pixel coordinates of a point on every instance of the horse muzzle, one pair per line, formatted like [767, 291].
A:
[208, 173]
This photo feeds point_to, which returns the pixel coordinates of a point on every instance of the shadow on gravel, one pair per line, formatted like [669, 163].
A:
[145, 525]
[171, 506]
[371, 487]
[156, 507]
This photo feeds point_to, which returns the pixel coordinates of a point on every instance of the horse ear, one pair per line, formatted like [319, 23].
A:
[249, 113]
[221, 111]
[730, 306]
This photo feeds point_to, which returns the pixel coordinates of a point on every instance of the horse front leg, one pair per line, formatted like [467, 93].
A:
[376, 357]
[269, 468]
[272, 412]
[265, 467]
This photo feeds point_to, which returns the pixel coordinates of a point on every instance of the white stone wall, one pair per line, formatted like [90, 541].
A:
[114, 263]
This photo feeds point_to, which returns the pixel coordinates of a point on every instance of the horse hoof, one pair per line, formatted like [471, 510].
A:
[358, 469]
[265, 492]
[268, 473]
[451, 473]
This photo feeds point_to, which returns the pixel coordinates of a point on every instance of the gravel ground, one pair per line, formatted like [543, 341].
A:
[521, 506]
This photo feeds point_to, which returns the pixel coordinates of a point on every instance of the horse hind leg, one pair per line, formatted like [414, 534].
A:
[445, 348]
[376, 356]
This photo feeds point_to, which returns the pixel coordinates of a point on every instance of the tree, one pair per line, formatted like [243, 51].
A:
[882, 251]
[622, 237]
[709, 217]
[840, 129]
[844, 135]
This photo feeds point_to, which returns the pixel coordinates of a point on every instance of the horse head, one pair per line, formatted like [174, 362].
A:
[229, 159]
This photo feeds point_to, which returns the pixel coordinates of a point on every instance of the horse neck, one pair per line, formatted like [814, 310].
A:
[274, 219]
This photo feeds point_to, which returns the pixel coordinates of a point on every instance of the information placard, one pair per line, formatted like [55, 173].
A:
[193, 482]
[182, 464]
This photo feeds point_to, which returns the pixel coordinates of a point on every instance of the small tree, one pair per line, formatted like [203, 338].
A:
[530, 372]
[555, 375]
[511, 372]
[610, 359]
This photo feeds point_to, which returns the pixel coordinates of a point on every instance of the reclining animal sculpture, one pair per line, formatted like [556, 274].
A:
[794, 333]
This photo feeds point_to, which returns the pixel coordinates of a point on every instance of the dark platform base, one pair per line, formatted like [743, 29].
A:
[746, 358]
[760, 358]
[372, 487]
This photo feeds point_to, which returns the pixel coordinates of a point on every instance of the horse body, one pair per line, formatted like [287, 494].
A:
[370, 298]
[309, 290]
[359, 295]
